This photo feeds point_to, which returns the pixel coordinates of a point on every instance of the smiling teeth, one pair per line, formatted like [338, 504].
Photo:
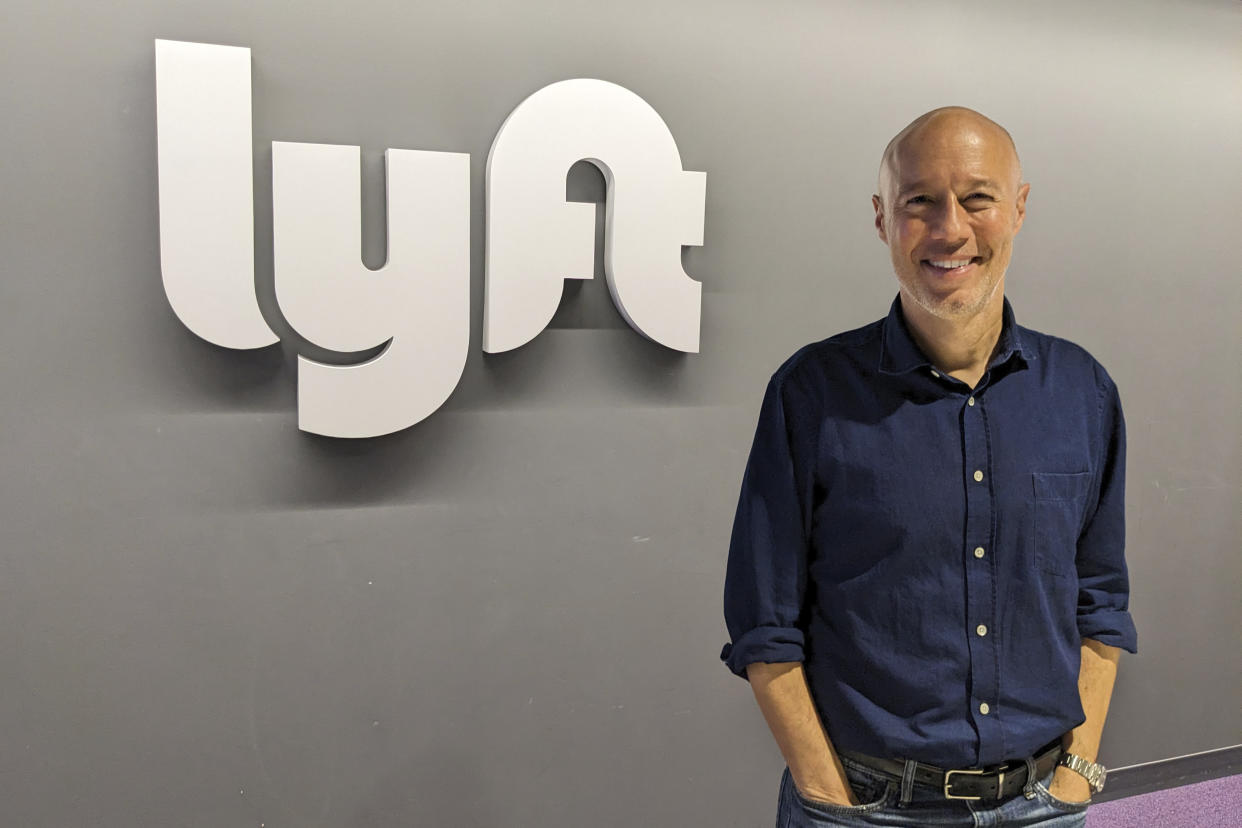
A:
[950, 263]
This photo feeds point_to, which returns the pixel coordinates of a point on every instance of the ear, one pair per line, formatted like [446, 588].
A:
[1021, 205]
[878, 205]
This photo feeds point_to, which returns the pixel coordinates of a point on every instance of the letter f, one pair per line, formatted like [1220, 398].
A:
[535, 239]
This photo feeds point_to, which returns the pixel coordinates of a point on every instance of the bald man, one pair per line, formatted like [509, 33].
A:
[926, 585]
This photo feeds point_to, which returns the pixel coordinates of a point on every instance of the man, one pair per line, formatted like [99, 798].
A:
[926, 584]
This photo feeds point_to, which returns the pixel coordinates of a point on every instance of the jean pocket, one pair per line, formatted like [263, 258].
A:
[872, 794]
[1060, 503]
[1045, 796]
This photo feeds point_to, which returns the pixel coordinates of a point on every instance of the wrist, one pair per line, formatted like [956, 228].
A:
[834, 796]
[821, 789]
[1069, 786]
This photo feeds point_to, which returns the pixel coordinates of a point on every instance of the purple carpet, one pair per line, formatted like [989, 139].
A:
[1216, 803]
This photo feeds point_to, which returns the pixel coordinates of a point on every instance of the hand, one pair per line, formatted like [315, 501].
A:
[1068, 786]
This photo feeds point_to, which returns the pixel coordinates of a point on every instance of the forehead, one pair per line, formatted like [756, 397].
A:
[955, 152]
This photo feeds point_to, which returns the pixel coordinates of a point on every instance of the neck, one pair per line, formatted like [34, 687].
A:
[961, 348]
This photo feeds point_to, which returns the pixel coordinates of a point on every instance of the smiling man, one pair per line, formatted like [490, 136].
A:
[927, 585]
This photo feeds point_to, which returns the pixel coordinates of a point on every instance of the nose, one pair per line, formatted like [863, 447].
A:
[949, 221]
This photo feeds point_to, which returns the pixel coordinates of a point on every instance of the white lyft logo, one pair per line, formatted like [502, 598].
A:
[417, 304]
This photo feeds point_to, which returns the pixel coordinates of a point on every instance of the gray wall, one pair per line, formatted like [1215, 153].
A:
[509, 615]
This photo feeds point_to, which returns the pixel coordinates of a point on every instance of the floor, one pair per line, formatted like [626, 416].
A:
[1216, 803]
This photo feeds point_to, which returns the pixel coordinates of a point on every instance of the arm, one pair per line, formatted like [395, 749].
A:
[765, 588]
[785, 700]
[1095, 689]
[1104, 620]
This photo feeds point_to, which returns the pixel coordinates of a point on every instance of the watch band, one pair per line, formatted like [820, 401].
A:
[1093, 772]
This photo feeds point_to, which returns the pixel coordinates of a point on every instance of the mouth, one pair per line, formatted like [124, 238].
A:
[950, 267]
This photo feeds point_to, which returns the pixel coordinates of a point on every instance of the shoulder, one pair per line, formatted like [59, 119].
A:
[1066, 363]
[849, 352]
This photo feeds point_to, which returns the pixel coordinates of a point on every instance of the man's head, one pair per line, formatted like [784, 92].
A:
[950, 201]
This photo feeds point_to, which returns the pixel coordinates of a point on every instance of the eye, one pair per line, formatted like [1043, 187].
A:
[918, 199]
[977, 196]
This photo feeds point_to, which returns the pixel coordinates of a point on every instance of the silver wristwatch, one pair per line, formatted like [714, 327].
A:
[1093, 772]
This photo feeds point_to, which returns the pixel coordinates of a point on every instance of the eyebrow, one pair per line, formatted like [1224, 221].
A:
[973, 184]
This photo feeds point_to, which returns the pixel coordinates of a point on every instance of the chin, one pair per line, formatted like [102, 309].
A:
[954, 307]
[951, 307]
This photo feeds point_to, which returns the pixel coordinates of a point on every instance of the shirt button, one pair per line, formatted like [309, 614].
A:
[935, 373]
[978, 475]
[970, 401]
[982, 629]
[984, 709]
[979, 552]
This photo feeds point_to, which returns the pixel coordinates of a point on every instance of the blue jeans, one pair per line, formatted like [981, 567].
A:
[924, 807]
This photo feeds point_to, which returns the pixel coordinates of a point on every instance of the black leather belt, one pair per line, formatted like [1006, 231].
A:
[997, 782]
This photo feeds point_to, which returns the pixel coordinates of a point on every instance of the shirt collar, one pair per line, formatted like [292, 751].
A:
[899, 354]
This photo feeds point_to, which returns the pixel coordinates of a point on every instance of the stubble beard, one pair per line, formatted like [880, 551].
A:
[952, 308]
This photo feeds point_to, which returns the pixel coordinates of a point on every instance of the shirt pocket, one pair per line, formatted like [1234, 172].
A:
[1060, 500]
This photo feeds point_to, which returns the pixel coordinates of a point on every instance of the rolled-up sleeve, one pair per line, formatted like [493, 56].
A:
[1103, 581]
[766, 576]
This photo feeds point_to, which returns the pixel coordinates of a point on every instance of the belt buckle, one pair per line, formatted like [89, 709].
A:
[948, 780]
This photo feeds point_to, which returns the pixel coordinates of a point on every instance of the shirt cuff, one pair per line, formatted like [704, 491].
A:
[773, 645]
[1112, 627]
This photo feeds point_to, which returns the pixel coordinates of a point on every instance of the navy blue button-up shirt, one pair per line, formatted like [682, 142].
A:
[933, 553]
